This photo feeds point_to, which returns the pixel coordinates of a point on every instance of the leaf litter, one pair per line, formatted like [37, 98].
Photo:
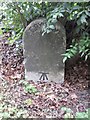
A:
[49, 99]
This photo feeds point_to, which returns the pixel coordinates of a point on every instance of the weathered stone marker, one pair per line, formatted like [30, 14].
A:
[43, 60]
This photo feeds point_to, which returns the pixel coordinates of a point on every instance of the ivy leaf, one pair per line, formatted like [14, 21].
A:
[83, 18]
[60, 15]
[54, 20]
[52, 27]
[86, 57]
[87, 13]
[55, 16]
[64, 59]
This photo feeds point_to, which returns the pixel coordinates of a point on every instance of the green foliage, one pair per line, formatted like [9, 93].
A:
[82, 48]
[0, 31]
[66, 109]
[13, 38]
[28, 87]
[8, 111]
[88, 110]
[17, 15]
[81, 115]
[78, 12]
[69, 113]
[73, 50]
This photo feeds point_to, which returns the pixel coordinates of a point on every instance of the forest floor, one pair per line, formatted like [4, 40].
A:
[20, 98]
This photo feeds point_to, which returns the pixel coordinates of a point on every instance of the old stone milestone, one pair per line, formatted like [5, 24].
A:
[43, 59]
